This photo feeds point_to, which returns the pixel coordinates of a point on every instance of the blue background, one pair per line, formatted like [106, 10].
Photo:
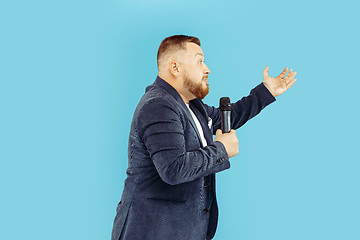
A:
[72, 73]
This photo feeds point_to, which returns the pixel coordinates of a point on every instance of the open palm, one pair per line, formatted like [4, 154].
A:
[280, 84]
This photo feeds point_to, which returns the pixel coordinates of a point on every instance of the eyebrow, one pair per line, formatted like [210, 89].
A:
[199, 54]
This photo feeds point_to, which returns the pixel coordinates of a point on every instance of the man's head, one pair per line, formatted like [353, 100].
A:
[181, 62]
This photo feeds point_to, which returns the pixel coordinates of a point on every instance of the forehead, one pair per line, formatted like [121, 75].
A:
[192, 49]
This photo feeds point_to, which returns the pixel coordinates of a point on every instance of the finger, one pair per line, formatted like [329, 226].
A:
[291, 83]
[282, 75]
[289, 77]
[266, 71]
[232, 131]
[290, 71]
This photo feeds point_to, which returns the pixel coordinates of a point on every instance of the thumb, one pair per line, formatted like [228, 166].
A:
[266, 72]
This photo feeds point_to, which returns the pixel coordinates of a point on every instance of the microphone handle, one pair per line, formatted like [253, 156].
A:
[225, 121]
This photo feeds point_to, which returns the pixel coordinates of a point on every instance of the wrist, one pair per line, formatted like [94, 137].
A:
[269, 89]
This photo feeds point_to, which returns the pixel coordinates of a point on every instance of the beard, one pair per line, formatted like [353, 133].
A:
[196, 88]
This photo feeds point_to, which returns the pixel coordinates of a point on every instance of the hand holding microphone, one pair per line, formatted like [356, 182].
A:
[229, 140]
[226, 135]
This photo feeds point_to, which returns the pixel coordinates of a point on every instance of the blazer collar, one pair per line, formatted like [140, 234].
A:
[172, 91]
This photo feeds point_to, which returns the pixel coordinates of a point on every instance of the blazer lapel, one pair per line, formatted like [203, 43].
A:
[203, 122]
[188, 114]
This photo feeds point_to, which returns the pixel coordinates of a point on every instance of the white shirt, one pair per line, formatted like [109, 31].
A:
[197, 123]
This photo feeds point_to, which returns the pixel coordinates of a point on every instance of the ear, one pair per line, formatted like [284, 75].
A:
[174, 68]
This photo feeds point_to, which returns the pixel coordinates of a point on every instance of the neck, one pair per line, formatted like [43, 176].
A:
[185, 99]
[178, 86]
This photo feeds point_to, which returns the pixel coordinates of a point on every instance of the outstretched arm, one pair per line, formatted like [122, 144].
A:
[259, 97]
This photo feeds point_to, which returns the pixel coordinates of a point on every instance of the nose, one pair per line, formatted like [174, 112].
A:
[206, 69]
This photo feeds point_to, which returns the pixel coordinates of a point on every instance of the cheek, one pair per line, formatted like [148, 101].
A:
[199, 71]
[196, 72]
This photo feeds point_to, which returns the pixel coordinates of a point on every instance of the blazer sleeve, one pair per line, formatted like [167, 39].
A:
[162, 131]
[244, 109]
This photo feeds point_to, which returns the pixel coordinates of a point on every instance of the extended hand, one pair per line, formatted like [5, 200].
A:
[280, 84]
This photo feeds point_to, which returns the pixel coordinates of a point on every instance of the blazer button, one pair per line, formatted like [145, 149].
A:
[206, 210]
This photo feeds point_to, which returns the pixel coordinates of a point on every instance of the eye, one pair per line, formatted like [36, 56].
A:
[201, 61]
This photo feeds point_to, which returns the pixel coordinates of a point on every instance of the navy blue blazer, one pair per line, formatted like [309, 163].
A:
[169, 192]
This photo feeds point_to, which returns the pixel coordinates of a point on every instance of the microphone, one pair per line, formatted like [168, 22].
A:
[225, 108]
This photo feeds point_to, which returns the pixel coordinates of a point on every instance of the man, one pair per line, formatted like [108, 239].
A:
[169, 193]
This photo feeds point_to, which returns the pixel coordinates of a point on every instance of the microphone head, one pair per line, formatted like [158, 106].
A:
[225, 104]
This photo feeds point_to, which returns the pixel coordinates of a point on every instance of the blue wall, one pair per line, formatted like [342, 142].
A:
[72, 72]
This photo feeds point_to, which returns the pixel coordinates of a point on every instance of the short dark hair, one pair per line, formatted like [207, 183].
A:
[174, 43]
